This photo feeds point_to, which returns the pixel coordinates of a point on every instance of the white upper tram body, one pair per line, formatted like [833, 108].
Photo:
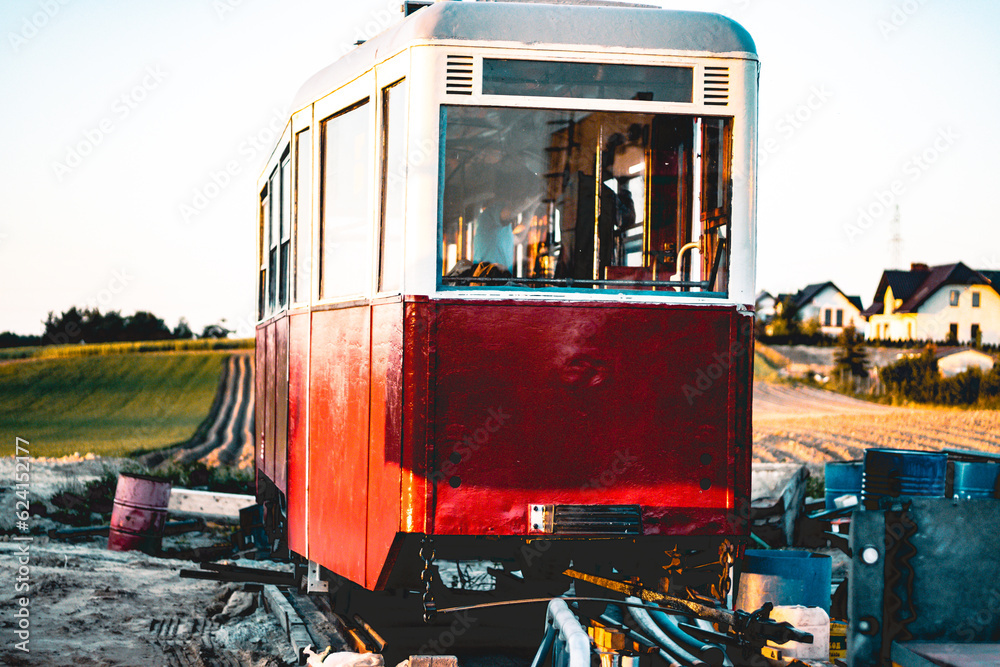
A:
[395, 152]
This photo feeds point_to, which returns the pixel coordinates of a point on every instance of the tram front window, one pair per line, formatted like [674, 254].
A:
[552, 198]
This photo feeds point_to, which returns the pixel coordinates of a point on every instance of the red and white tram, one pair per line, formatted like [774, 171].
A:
[506, 276]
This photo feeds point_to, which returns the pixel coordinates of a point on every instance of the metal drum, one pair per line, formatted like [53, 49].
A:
[842, 479]
[975, 479]
[890, 473]
[784, 578]
[139, 513]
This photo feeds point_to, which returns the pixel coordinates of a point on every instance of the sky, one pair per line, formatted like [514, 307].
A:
[132, 133]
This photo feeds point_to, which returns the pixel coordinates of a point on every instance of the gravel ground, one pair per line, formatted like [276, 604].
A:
[90, 606]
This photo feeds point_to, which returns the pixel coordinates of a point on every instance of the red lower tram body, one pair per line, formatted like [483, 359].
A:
[613, 430]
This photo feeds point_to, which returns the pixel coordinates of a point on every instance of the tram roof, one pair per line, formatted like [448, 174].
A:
[539, 25]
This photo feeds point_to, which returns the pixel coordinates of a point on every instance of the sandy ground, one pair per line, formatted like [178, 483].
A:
[90, 606]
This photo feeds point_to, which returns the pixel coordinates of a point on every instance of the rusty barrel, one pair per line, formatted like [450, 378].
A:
[139, 513]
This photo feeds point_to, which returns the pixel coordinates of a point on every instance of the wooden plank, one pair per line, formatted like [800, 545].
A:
[194, 503]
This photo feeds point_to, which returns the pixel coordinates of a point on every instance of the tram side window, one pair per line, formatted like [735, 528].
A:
[345, 223]
[394, 191]
[558, 198]
[303, 215]
[274, 215]
[285, 242]
[262, 246]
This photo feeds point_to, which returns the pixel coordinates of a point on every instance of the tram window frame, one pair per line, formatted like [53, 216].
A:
[274, 240]
[588, 80]
[302, 216]
[263, 244]
[680, 182]
[392, 205]
[285, 228]
[356, 272]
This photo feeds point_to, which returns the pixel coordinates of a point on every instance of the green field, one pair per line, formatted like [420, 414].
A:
[107, 404]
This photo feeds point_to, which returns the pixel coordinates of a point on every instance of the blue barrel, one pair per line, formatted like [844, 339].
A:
[842, 478]
[975, 479]
[784, 578]
[890, 473]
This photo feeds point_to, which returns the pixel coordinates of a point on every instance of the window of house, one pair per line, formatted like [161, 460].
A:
[840, 317]
[345, 221]
[827, 317]
[975, 335]
[975, 299]
[953, 298]
[953, 332]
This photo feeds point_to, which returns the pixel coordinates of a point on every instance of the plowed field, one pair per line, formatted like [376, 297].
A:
[812, 426]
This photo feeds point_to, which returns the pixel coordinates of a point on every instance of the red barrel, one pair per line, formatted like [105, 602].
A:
[139, 513]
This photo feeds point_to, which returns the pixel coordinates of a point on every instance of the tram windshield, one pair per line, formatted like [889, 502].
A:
[594, 200]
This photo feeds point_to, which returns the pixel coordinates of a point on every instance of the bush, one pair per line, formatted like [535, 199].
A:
[918, 379]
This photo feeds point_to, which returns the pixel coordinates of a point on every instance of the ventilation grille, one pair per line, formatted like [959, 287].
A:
[586, 519]
[717, 86]
[458, 77]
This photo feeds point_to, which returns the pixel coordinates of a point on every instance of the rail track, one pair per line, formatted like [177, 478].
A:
[225, 436]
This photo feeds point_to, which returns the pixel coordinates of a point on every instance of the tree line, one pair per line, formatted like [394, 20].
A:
[90, 325]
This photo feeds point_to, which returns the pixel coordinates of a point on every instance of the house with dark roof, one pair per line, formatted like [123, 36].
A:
[764, 305]
[950, 302]
[827, 304]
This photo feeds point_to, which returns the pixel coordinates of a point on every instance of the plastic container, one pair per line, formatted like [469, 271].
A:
[785, 578]
[813, 620]
[139, 513]
[842, 479]
[838, 640]
[891, 473]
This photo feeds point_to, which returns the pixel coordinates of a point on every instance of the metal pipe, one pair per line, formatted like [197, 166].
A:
[543, 650]
[710, 653]
[573, 638]
[667, 645]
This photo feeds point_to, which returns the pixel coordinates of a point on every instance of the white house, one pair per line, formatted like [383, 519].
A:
[831, 307]
[950, 302]
[764, 306]
[952, 361]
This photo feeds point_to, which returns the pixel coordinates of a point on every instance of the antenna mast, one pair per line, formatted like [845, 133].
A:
[896, 242]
